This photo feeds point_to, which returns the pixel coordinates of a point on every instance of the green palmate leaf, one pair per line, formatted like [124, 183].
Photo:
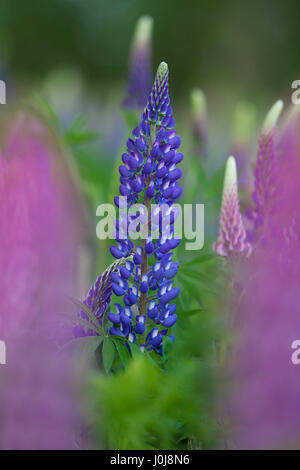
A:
[203, 275]
[189, 313]
[167, 347]
[108, 354]
[192, 289]
[206, 282]
[205, 289]
[199, 259]
[77, 134]
[122, 351]
[135, 350]
[146, 355]
[198, 275]
[154, 358]
[44, 108]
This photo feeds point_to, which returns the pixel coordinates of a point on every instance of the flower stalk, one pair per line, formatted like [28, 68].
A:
[149, 175]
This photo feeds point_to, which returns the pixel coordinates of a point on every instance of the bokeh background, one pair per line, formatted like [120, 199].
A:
[249, 46]
[230, 49]
[75, 55]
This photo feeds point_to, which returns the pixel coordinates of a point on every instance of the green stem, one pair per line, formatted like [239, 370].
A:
[144, 266]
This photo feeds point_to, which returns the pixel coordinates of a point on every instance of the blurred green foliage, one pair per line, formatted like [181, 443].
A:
[246, 45]
[161, 406]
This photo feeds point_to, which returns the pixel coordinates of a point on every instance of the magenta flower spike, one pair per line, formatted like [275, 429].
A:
[40, 233]
[232, 234]
[264, 192]
[264, 399]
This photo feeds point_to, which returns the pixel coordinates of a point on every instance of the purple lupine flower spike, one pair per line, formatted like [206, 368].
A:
[140, 73]
[149, 175]
[199, 122]
[232, 234]
[98, 300]
[264, 175]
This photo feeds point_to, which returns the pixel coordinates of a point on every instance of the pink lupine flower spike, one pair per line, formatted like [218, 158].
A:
[232, 234]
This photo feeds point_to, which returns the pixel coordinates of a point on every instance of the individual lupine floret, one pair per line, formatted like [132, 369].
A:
[140, 73]
[264, 192]
[232, 234]
[149, 175]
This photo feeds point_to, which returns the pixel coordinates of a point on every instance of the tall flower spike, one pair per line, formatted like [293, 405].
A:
[97, 300]
[199, 122]
[149, 175]
[232, 235]
[264, 193]
[140, 73]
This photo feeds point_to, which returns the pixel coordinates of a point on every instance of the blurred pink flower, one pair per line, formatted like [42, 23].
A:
[40, 238]
[265, 397]
[265, 192]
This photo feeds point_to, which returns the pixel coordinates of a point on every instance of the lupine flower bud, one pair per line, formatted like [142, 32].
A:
[149, 175]
[199, 122]
[232, 235]
[140, 75]
[264, 195]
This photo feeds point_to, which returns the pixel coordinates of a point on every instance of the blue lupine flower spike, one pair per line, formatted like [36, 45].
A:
[149, 175]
